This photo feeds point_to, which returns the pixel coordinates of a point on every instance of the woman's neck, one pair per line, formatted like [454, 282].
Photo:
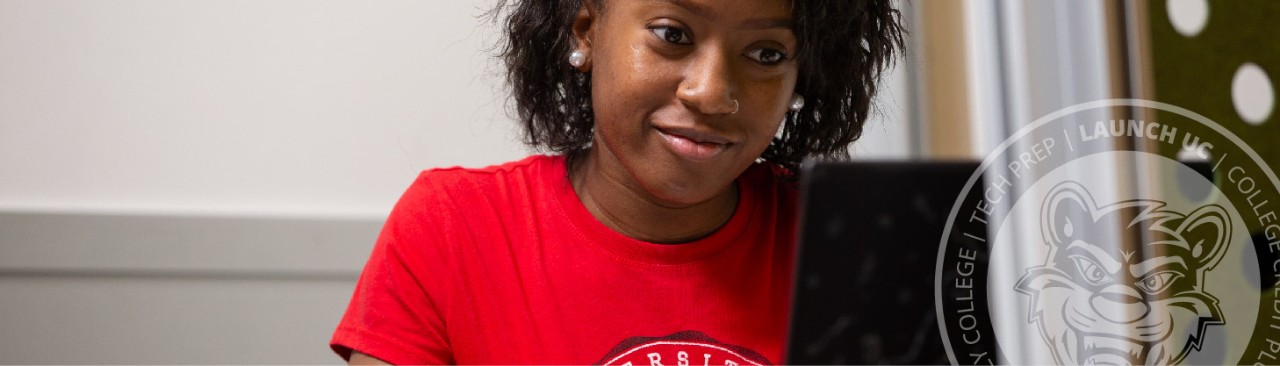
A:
[615, 199]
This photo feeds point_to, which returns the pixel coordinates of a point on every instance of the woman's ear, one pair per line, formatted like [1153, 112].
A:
[583, 26]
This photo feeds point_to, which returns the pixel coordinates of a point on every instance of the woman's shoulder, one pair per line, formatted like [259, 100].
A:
[462, 188]
[523, 166]
[770, 176]
[771, 188]
[461, 177]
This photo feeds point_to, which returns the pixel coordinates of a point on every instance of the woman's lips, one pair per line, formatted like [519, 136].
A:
[693, 145]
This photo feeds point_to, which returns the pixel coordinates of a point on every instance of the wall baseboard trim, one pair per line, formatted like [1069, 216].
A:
[196, 275]
[74, 244]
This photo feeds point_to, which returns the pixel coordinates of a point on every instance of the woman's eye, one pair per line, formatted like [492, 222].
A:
[671, 34]
[767, 56]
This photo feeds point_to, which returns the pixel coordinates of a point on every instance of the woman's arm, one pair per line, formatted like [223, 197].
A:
[358, 358]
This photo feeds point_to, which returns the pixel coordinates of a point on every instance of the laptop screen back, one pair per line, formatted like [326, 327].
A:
[869, 238]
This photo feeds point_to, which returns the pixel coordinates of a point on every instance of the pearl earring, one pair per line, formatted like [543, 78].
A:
[577, 58]
[797, 102]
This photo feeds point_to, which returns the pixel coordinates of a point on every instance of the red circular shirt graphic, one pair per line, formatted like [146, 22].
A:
[687, 348]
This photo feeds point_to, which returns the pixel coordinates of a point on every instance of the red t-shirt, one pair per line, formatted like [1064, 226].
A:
[504, 265]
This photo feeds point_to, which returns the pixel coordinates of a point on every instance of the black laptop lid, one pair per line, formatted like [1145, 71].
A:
[869, 236]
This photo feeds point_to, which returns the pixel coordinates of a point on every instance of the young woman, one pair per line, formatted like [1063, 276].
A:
[661, 230]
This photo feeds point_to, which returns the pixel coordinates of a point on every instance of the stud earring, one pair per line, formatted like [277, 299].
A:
[577, 58]
[797, 102]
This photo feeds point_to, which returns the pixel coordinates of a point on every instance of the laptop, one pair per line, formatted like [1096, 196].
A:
[865, 271]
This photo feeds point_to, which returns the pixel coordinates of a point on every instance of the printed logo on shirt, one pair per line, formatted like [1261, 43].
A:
[687, 348]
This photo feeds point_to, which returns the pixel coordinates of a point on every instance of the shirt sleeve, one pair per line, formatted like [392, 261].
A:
[395, 312]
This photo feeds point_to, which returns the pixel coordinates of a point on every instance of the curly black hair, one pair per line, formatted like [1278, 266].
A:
[843, 47]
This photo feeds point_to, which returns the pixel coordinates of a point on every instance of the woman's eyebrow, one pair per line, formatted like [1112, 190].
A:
[766, 23]
[755, 23]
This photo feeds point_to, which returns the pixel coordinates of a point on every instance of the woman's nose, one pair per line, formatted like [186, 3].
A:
[708, 85]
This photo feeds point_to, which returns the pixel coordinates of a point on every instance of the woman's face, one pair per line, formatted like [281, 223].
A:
[687, 93]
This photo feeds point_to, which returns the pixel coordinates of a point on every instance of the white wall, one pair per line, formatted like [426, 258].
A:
[200, 181]
[891, 127]
[241, 106]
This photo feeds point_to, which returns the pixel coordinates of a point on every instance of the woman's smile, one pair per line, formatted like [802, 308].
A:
[694, 144]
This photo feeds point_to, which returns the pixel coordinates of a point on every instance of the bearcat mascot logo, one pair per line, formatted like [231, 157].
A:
[1142, 304]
